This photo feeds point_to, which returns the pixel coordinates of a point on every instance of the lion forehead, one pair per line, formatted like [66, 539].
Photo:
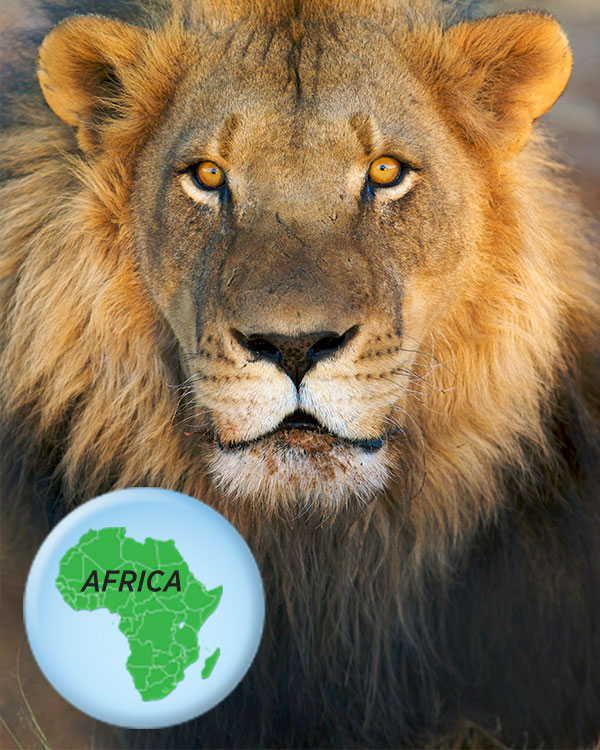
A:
[288, 93]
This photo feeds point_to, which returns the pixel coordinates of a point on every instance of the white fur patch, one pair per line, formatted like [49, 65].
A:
[208, 197]
[268, 475]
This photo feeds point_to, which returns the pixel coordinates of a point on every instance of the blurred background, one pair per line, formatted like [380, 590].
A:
[574, 120]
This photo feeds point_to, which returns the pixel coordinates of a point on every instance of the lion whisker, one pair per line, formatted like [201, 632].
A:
[440, 363]
[414, 376]
[412, 394]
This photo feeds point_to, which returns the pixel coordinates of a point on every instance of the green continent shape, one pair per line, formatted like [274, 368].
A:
[161, 628]
[209, 663]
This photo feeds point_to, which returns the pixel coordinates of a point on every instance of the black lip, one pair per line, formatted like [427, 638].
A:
[300, 420]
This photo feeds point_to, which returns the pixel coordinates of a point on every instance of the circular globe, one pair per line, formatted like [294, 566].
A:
[144, 608]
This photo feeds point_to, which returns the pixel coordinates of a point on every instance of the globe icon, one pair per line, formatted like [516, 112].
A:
[144, 608]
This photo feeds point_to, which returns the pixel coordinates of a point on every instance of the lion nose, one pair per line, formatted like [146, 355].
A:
[294, 354]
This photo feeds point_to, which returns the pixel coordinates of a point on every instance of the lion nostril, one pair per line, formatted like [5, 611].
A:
[330, 344]
[263, 348]
[295, 355]
[260, 346]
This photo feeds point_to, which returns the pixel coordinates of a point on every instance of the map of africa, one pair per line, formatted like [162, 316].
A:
[161, 605]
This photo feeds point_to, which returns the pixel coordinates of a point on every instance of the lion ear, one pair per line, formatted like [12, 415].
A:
[515, 66]
[81, 69]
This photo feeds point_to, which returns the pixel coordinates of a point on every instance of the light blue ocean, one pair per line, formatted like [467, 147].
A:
[83, 654]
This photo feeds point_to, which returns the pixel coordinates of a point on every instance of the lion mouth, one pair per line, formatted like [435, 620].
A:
[302, 430]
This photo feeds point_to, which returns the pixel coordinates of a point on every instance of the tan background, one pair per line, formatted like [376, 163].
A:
[575, 119]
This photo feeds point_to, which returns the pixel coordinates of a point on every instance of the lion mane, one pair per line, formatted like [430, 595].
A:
[467, 590]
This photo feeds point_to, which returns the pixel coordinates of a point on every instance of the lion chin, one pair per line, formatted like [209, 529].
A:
[301, 466]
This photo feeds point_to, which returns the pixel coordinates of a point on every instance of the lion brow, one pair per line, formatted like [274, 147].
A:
[226, 134]
[363, 127]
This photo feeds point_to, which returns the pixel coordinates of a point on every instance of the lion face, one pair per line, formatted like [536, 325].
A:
[305, 293]
[300, 289]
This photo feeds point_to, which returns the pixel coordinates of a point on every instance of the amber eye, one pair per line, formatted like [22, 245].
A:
[385, 171]
[208, 175]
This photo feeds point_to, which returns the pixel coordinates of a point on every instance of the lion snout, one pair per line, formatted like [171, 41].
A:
[295, 355]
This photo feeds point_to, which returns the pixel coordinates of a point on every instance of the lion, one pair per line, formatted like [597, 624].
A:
[315, 263]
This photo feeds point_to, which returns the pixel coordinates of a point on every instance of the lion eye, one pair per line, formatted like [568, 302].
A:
[385, 171]
[208, 175]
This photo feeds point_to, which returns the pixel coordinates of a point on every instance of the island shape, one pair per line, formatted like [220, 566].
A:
[160, 603]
